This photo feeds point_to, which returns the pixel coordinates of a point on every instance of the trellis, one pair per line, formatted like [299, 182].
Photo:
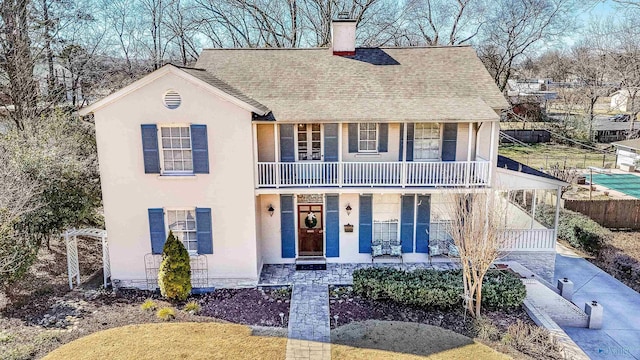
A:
[199, 270]
[73, 265]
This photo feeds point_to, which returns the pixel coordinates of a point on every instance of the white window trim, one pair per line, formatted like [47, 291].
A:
[374, 151]
[439, 158]
[295, 138]
[392, 221]
[166, 221]
[164, 172]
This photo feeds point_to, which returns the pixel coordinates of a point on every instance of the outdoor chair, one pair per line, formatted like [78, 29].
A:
[386, 248]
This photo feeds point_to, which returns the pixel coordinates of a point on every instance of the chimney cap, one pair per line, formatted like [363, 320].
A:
[344, 16]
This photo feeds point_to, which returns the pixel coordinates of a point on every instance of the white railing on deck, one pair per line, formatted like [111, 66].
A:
[530, 240]
[308, 174]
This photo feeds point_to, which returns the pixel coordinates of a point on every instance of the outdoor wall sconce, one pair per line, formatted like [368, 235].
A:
[348, 208]
[271, 210]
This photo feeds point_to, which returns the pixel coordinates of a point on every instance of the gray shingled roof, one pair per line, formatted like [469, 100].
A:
[631, 144]
[417, 83]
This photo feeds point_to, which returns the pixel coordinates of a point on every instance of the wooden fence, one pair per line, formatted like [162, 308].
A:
[528, 136]
[613, 214]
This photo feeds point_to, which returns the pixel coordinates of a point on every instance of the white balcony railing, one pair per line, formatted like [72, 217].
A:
[529, 240]
[371, 174]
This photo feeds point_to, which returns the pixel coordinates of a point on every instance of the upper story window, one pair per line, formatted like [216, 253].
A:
[183, 225]
[176, 149]
[426, 141]
[309, 142]
[367, 137]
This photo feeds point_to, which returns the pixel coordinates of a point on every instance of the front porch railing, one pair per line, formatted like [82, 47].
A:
[529, 240]
[371, 174]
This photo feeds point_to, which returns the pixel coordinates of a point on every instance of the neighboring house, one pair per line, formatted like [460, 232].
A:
[606, 130]
[529, 92]
[619, 100]
[272, 156]
[627, 153]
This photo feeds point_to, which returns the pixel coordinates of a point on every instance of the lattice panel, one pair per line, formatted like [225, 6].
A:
[199, 270]
[73, 267]
[106, 263]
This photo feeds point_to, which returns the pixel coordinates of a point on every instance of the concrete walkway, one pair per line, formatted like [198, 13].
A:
[619, 337]
[309, 328]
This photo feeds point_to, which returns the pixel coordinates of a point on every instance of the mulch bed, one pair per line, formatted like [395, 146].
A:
[350, 307]
[248, 306]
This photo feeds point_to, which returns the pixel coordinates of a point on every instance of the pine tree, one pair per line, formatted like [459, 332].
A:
[174, 277]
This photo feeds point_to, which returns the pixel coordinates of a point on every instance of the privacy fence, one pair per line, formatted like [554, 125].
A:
[613, 214]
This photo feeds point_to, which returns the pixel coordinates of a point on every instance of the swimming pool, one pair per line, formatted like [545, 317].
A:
[624, 183]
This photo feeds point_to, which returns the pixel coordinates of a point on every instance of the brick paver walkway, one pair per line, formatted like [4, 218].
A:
[309, 330]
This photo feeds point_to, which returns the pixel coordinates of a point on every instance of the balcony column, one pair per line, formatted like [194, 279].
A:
[340, 165]
[403, 175]
[557, 218]
[469, 164]
[533, 208]
[492, 152]
[276, 144]
[255, 155]
[470, 141]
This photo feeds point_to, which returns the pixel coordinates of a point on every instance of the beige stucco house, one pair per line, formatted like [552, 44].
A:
[306, 156]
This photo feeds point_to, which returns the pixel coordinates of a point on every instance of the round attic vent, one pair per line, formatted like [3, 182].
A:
[172, 99]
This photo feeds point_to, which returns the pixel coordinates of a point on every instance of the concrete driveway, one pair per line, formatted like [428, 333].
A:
[619, 337]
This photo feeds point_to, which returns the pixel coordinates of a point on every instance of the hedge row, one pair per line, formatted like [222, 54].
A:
[437, 289]
[576, 228]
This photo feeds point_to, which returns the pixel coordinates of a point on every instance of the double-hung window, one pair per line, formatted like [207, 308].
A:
[183, 225]
[426, 141]
[385, 231]
[367, 137]
[176, 149]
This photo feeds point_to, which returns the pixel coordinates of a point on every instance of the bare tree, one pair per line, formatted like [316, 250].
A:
[517, 27]
[477, 224]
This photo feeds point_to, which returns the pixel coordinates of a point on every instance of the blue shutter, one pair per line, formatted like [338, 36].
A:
[150, 149]
[333, 226]
[449, 137]
[353, 137]
[365, 228]
[410, 128]
[406, 223]
[287, 227]
[383, 137]
[204, 232]
[157, 230]
[422, 223]
[287, 143]
[330, 142]
[200, 149]
[401, 142]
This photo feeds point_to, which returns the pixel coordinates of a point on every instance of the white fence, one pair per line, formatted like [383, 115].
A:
[530, 240]
[308, 174]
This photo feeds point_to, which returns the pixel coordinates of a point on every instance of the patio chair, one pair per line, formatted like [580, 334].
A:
[386, 248]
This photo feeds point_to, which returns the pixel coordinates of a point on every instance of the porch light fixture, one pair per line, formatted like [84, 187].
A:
[348, 208]
[271, 210]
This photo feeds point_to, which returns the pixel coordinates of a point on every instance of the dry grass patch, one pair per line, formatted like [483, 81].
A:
[402, 340]
[173, 341]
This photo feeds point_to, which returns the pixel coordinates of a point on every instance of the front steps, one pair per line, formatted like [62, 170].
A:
[311, 263]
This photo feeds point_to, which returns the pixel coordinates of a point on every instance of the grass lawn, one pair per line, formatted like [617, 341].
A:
[546, 155]
[367, 340]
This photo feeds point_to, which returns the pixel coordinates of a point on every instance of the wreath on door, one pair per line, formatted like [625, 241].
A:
[311, 221]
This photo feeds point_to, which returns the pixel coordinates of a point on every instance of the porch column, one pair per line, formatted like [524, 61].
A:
[403, 176]
[558, 196]
[255, 156]
[470, 141]
[492, 152]
[469, 165]
[533, 208]
[276, 144]
[340, 165]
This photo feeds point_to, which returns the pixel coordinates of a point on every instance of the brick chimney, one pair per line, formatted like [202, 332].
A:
[343, 35]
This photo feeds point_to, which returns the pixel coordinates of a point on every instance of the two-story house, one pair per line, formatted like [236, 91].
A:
[276, 156]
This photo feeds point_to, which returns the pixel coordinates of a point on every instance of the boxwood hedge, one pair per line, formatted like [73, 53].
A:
[436, 289]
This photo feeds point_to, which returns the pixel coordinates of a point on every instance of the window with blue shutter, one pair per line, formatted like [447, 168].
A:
[423, 219]
[287, 227]
[157, 230]
[410, 128]
[200, 149]
[330, 142]
[150, 152]
[400, 152]
[383, 137]
[406, 223]
[204, 231]
[333, 226]
[352, 134]
[365, 229]
[449, 138]
[287, 143]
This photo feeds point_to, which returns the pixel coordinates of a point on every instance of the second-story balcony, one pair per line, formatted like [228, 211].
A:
[373, 174]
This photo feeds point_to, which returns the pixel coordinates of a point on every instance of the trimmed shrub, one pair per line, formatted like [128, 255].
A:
[576, 228]
[485, 329]
[174, 276]
[530, 339]
[192, 307]
[166, 314]
[436, 289]
[148, 305]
